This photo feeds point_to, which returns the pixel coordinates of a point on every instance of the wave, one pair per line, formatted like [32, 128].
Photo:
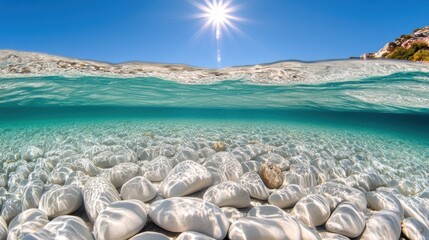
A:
[403, 92]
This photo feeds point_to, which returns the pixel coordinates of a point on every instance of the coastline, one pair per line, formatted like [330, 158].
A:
[14, 64]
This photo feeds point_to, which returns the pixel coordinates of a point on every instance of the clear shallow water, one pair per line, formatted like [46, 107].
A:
[398, 103]
[328, 132]
[398, 93]
[393, 107]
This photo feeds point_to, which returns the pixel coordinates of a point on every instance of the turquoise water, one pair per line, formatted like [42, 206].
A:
[382, 119]
[398, 93]
[398, 103]
[327, 132]
[62, 131]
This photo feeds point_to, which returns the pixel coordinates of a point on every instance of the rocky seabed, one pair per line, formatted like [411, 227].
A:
[151, 181]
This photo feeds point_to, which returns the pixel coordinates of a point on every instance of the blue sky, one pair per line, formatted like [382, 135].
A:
[163, 30]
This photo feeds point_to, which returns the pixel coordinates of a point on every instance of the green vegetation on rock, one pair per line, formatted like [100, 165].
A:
[421, 55]
[417, 52]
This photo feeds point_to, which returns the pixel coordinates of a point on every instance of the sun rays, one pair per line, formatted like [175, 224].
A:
[218, 15]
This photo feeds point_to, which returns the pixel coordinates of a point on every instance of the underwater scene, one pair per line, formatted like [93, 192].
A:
[222, 160]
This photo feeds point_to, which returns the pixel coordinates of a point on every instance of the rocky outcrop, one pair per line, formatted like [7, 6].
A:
[414, 47]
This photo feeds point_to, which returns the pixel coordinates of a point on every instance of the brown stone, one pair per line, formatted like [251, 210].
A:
[149, 134]
[271, 175]
[219, 146]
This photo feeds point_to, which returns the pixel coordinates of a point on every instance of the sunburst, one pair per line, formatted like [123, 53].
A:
[218, 15]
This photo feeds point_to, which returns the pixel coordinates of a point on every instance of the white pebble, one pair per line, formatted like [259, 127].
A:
[189, 214]
[120, 220]
[185, 178]
[313, 210]
[139, 188]
[60, 201]
[287, 196]
[98, 193]
[228, 194]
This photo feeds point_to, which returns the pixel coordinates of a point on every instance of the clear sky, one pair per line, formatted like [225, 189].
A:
[164, 30]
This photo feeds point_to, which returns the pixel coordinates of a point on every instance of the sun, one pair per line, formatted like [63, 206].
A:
[218, 15]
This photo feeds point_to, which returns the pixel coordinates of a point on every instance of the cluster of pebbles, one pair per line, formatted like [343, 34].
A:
[154, 180]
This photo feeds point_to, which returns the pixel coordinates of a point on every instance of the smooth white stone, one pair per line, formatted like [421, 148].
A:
[313, 210]
[185, 178]
[32, 193]
[414, 207]
[335, 172]
[226, 165]
[98, 193]
[120, 220]
[217, 176]
[409, 187]
[86, 166]
[241, 154]
[333, 236]
[185, 154]
[190, 235]
[113, 155]
[275, 158]
[23, 170]
[46, 164]
[305, 178]
[167, 150]
[206, 152]
[255, 150]
[16, 183]
[139, 188]
[38, 174]
[253, 228]
[424, 193]
[370, 181]
[308, 233]
[346, 220]
[266, 211]
[232, 214]
[11, 208]
[384, 225]
[384, 201]
[61, 201]
[337, 193]
[414, 229]
[77, 179]
[63, 227]
[29, 221]
[189, 214]
[150, 236]
[59, 175]
[3, 229]
[149, 153]
[251, 166]
[27, 216]
[3, 180]
[228, 194]
[158, 169]
[254, 185]
[32, 153]
[287, 196]
[121, 173]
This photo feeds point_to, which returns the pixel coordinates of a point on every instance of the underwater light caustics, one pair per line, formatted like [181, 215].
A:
[218, 15]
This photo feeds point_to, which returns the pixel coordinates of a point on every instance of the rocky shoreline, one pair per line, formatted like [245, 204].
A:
[413, 47]
[25, 64]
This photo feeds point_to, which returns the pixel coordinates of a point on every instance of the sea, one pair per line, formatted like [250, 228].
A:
[375, 124]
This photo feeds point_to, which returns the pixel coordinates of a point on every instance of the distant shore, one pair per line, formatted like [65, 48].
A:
[28, 64]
